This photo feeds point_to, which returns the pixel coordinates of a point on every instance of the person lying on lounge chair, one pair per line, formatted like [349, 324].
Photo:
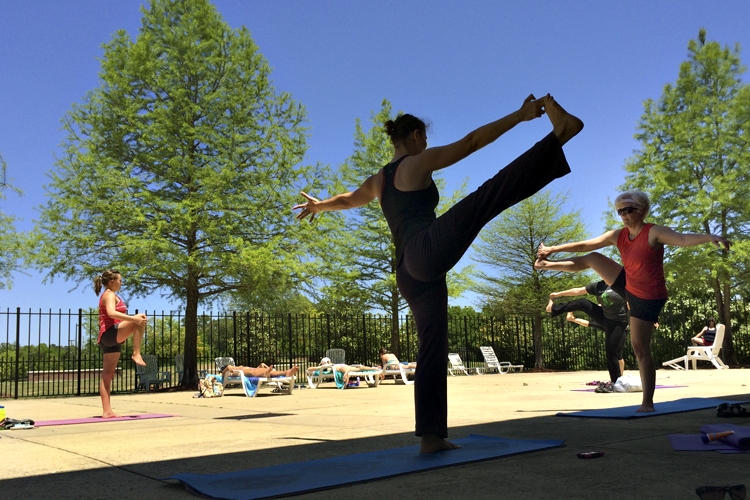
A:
[388, 358]
[261, 371]
[325, 363]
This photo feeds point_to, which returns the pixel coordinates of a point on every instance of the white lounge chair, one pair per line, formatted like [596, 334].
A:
[281, 384]
[458, 366]
[701, 353]
[330, 374]
[491, 362]
[399, 371]
[320, 376]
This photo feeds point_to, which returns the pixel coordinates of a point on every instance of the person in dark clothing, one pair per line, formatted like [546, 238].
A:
[610, 315]
[428, 247]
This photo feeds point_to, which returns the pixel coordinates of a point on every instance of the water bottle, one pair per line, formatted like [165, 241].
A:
[2, 413]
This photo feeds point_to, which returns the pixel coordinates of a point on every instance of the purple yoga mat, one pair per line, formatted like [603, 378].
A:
[738, 442]
[657, 387]
[96, 420]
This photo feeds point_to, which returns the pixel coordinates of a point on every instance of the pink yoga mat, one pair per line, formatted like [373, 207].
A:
[96, 420]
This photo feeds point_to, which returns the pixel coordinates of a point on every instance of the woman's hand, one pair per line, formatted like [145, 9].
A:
[720, 241]
[544, 252]
[140, 319]
[531, 108]
[308, 208]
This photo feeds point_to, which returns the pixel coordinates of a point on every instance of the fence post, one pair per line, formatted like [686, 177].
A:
[291, 354]
[80, 347]
[466, 337]
[234, 334]
[18, 347]
[364, 339]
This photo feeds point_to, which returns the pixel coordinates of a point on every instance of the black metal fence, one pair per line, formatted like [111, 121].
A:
[55, 353]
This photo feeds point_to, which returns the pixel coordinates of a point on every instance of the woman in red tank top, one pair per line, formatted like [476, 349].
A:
[115, 326]
[640, 278]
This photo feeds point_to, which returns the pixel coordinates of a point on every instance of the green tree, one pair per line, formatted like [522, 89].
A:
[359, 263]
[180, 169]
[508, 245]
[694, 163]
[13, 245]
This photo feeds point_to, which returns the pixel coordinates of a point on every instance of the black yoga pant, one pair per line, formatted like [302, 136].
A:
[614, 331]
[431, 253]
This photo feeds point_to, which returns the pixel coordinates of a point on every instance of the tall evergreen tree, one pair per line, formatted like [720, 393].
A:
[508, 245]
[180, 168]
[694, 163]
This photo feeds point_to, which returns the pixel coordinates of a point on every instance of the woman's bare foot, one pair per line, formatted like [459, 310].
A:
[432, 443]
[109, 414]
[565, 126]
[570, 317]
[293, 371]
[645, 408]
[549, 304]
[138, 359]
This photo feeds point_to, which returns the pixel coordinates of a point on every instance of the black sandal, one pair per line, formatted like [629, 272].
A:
[724, 410]
[738, 410]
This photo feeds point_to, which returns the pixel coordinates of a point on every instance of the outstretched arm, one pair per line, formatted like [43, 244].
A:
[432, 159]
[668, 236]
[573, 292]
[361, 196]
[605, 240]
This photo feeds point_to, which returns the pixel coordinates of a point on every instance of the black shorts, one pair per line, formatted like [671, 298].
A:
[647, 310]
[108, 342]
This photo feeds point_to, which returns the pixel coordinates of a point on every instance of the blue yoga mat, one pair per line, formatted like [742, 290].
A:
[628, 412]
[327, 473]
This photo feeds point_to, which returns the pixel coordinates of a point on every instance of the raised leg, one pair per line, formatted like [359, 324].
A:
[127, 328]
[605, 267]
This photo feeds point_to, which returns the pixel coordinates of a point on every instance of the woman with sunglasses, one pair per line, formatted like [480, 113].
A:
[640, 278]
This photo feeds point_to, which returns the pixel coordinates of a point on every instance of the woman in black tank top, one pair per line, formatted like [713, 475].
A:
[427, 247]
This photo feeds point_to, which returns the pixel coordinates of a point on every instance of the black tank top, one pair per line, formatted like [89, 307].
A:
[407, 212]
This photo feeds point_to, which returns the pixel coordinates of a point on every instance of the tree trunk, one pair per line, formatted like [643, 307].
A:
[190, 376]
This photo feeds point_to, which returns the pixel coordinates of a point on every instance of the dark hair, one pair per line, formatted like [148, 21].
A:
[104, 278]
[709, 321]
[383, 351]
[400, 128]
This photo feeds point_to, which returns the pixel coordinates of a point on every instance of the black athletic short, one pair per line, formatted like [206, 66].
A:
[108, 342]
[647, 310]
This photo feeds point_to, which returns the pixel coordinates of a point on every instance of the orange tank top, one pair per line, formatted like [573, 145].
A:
[105, 321]
[644, 266]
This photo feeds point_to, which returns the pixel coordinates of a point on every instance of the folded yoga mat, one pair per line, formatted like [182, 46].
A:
[295, 478]
[95, 420]
[693, 442]
[627, 412]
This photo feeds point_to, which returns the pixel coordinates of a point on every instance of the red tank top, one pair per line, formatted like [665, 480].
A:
[644, 266]
[105, 321]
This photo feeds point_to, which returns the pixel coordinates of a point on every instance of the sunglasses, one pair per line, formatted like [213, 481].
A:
[626, 210]
[736, 492]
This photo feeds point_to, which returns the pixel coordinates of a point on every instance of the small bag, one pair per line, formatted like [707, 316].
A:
[628, 383]
[210, 387]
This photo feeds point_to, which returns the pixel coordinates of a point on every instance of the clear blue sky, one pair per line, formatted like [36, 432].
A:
[459, 64]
